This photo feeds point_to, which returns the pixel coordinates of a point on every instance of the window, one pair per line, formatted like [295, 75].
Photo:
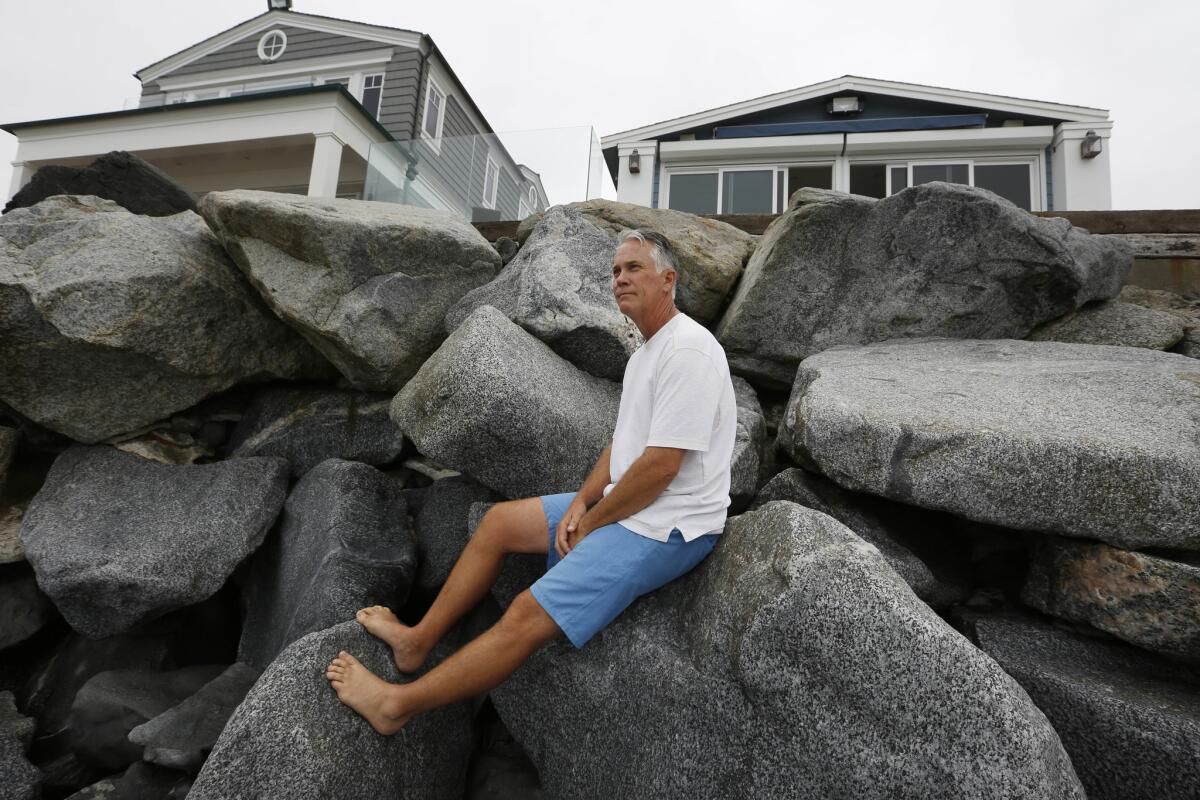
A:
[1013, 180]
[742, 190]
[490, 179]
[869, 180]
[435, 112]
[747, 191]
[272, 45]
[1010, 181]
[372, 93]
[695, 193]
[950, 173]
[533, 198]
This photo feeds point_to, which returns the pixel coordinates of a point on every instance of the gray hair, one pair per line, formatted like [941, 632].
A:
[661, 251]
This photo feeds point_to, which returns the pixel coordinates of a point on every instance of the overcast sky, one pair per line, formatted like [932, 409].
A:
[617, 65]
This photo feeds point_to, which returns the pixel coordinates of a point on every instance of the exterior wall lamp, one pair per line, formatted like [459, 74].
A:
[635, 162]
[279, 5]
[1091, 145]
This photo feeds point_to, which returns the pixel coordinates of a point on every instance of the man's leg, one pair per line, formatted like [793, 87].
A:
[518, 526]
[479, 667]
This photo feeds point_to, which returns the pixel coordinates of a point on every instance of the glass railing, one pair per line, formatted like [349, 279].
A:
[493, 176]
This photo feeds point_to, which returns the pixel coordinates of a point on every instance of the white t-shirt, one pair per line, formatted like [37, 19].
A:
[677, 393]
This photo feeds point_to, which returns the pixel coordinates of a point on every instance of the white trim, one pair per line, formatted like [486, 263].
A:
[851, 83]
[897, 142]
[327, 64]
[262, 45]
[434, 142]
[245, 30]
[490, 202]
[764, 146]
[269, 118]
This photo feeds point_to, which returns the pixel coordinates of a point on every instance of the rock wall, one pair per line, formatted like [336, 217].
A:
[961, 461]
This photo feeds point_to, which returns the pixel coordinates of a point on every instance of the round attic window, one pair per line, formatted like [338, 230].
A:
[272, 45]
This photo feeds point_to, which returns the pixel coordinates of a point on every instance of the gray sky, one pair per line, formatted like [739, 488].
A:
[617, 65]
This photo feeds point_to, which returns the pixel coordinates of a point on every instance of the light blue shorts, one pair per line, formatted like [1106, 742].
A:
[609, 569]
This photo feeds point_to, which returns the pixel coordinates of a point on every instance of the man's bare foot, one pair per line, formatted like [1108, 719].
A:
[407, 650]
[368, 694]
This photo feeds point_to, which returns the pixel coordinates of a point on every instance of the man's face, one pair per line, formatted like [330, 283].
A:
[636, 285]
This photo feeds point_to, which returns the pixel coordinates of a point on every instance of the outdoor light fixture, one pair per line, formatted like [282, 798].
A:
[279, 5]
[1091, 145]
[844, 105]
[635, 162]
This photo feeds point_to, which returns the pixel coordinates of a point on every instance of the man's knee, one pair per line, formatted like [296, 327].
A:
[526, 617]
[513, 526]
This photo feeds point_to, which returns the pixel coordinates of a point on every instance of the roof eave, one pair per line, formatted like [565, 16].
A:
[856, 83]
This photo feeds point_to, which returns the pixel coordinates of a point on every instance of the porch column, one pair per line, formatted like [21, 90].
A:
[326, 163]
[636, 187]
[21, 173]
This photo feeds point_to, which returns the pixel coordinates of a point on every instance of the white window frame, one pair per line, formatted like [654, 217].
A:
[494, 168]
[1036, 199]
[434, 142]
[262, 43]
[533, 199]
[778, 171]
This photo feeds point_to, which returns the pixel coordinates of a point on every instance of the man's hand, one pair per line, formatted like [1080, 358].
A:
[568, 534]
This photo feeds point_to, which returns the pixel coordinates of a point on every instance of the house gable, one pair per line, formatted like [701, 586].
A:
[302, 44]
[903, 112]
[897, 95]
[263, 22]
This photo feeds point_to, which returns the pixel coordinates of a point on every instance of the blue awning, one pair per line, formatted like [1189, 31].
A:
[851, 126]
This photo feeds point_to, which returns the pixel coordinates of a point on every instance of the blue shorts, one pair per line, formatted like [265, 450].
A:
[609, 569]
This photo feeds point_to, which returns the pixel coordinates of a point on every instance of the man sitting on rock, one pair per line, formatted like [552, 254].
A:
[650, 510]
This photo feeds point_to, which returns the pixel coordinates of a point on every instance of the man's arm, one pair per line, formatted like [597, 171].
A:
[588, 495]
[640, 486]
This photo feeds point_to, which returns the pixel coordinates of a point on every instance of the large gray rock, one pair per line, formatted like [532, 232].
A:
[934, 260]
[139, 782]
[367, 283]
[1129, 720]
[11, 549]
[1084, 440]
[116, 540]
[292, 739]
[749, 444]
[181, 737]
[53, 684]
[792, 663]
[19, 779]
[877, 521]
[501, 406]
[23, 609]
[307, 426]
[1189, 345]
[112, 704]
[14, 724]
[442, 526]
[118, 176]
[711, 254]
[559, 288]
[110, 321]
[1114, 323]
[8, 450]
[1145, 599]
[343, 542]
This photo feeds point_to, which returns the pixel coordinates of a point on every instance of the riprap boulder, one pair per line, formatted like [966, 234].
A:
[367, 283]
[937, 259]
[110, 321]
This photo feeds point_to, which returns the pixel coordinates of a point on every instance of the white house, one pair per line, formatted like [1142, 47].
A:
[868, 137]
[303, 103]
